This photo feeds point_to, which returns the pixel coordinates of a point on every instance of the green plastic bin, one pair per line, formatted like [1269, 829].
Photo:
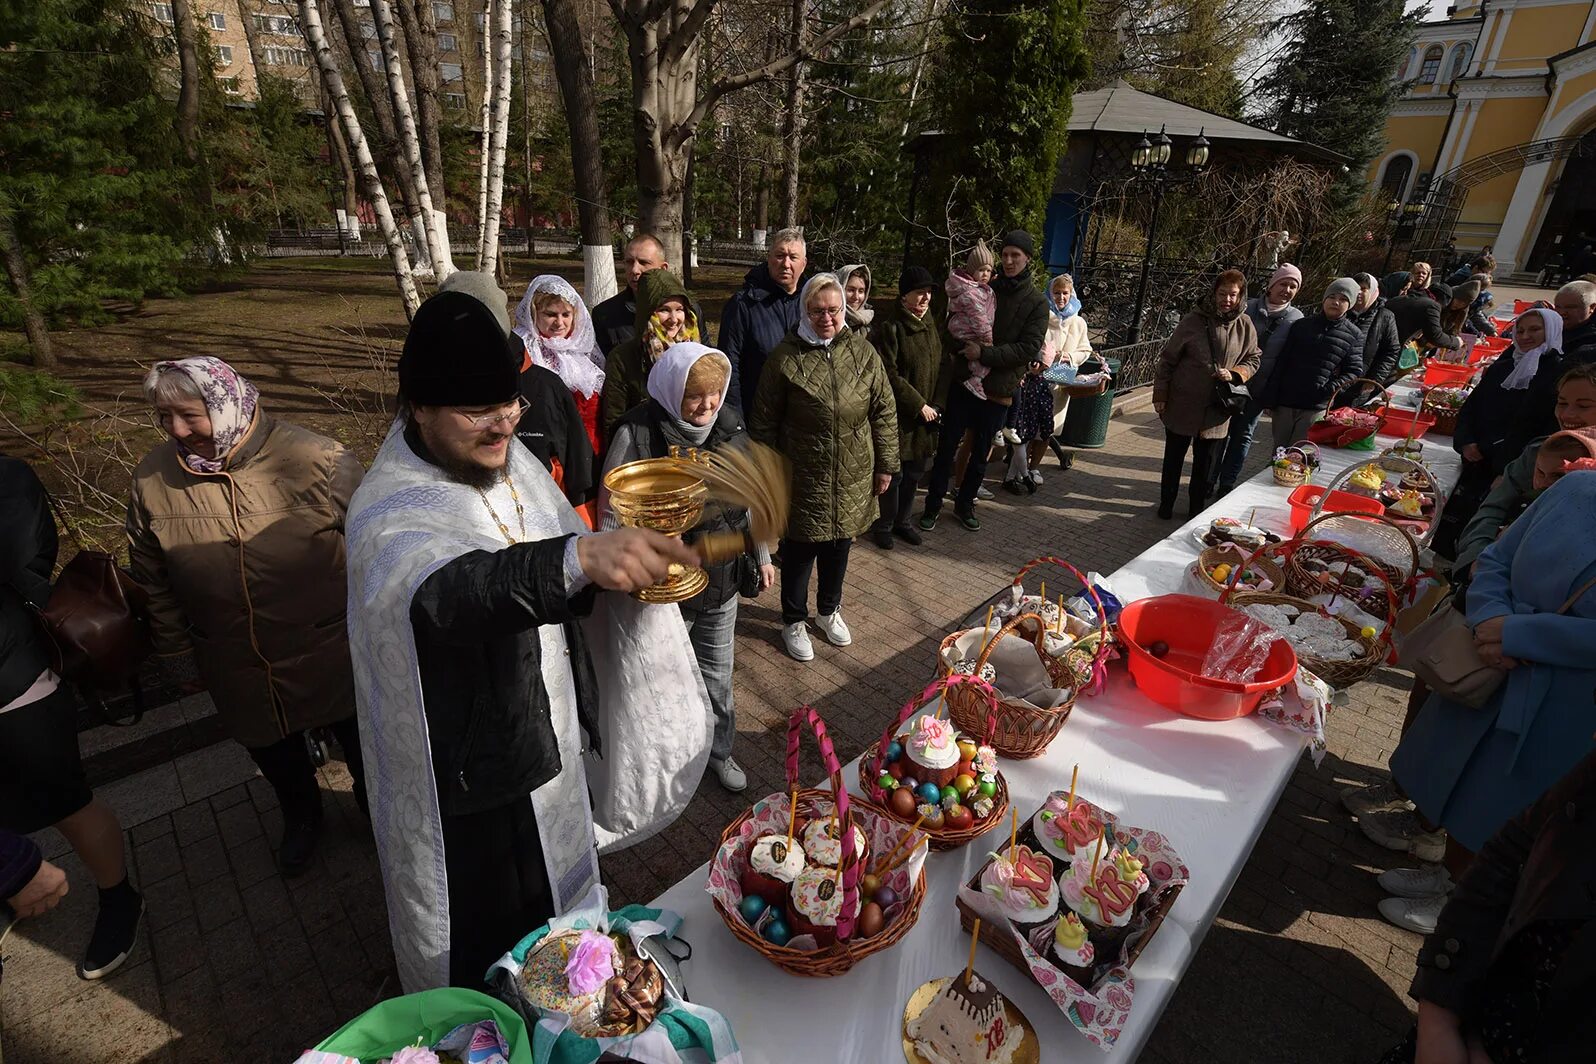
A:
[1086, 420]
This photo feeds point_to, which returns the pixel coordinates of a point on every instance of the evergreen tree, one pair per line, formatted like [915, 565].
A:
[1333, 84]
[1003, 90]
[91, 179]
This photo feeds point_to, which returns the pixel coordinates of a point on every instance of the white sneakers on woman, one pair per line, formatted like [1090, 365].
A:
[1414, 914]
[796, 636]
[833, 627]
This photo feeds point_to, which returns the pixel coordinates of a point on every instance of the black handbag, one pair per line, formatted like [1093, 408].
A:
[747, 576]
[1230, 396]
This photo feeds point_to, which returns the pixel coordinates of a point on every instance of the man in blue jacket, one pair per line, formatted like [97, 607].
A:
[763, 311]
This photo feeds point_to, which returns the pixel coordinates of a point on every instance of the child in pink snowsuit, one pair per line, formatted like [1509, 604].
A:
[971, 307]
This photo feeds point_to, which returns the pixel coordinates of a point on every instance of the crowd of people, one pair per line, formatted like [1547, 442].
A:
[449, 591]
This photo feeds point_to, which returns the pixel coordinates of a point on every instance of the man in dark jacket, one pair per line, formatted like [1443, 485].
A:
[472, 676]
[1323, 354]
[762, 312]
[1382, 348]
[1419, 316]
[1019, 325]
[614, 320]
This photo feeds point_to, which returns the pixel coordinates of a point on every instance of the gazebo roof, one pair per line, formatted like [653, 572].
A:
[1120, 108]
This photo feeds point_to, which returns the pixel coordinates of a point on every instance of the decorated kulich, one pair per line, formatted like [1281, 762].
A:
[1408, 504]
[1021, 881]
[1067, 833]
[966, 1023]
[823, 844]
[1040, 606]
[932, 750]
[773, 865]
[604, 998]
[1232, 530]
[1107, 901]
[967, 667]
[1072, 950]
[1367, 479]
[1055, 643]
[817, 899]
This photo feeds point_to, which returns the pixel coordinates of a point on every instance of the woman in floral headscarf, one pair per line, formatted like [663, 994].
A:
[553, 323]
[236, 530]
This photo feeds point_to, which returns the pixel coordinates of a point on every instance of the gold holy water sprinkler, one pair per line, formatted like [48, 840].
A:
[668, 496]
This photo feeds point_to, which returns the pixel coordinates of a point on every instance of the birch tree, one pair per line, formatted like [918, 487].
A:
[502, 17]
[421, 41]
[663, 43]
[485, 122]
[434, 229]
[792, 128]
[573, 67]
[333, 80]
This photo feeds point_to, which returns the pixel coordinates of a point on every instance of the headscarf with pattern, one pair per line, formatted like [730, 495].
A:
[229, 399]
[575, 358]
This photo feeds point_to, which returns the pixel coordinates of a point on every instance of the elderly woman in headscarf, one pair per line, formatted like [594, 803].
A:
[825, 402]
[236, 530]
[553, 323]
[856, 284]
[687, 408]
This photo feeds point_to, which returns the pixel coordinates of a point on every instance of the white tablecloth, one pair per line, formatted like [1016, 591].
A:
[1210, 787]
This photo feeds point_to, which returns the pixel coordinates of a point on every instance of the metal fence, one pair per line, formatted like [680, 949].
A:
[1138, 362]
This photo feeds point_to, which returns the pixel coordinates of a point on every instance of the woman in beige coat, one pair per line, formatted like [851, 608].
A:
[236, 530]
[1213, 343]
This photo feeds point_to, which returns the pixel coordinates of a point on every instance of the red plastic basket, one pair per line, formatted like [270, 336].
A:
[1187, 625]
[1438, 374]
[1405, 424]
[1305, 500]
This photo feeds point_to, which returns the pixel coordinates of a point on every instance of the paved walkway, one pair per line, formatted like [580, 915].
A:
[237, 965]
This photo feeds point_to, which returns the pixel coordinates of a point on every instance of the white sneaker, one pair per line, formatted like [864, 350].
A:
[1416, 882]
[1010, 436]
[834, 628]
[1414, 914]
[731, 775]
[984, 494]
[1036, 478]
[796, 638]
[1428, 846]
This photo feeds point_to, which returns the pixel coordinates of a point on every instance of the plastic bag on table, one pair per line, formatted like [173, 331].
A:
[1081, 605]
[1239, 649]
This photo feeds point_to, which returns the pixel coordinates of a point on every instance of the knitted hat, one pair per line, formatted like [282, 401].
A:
[1345, 287]
[483, 287]
[1019, 238]
[914, 278]
[1284, 272]
[980, 257]
[1467, 292]
[457, 355]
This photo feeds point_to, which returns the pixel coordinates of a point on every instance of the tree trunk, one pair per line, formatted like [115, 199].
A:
[421, 41]
[387, 147]
[257, 58]
[409, 140]
[339, 150]
[501, 129]
[310, 22]
[575, 75]
[689, 241]
[792, 124]
[485, 119]
[762, 205]
[188, 100]
[33, 323]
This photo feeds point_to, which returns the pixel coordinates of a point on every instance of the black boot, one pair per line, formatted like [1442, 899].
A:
[116, 930]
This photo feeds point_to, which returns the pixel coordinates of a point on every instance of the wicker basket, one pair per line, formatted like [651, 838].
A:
[873, 760]
[1227, 554]
[1333, 434]
[1083, 664]
[1323, 547]
[847, 950]
[1006, 947]
[1339, 674]
[1302, 460]
[1022, 730]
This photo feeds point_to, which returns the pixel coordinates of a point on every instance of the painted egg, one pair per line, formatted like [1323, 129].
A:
[930, 793]
[967, 767]
[752, 907]
[886, 897]
[869, 884]
[871, 920]
[894, 750]
[987, 788]
[901, 802]
[949, 793]
[967, 749]
[909, 781]
[964, 784]
[886, 781]
[777, 933]
[933, 819]
[960, 817]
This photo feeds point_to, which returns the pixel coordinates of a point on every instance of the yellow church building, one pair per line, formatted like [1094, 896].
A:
[1495, 134]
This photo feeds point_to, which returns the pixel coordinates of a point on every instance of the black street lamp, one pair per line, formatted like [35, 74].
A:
[1150, 163]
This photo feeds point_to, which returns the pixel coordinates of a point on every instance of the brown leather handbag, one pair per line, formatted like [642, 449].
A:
[95, 623]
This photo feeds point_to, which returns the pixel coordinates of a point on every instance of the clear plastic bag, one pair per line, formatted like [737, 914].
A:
[1239, 649]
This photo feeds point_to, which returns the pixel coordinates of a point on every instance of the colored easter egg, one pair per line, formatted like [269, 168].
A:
[933, 819]
[987, 788]
[871, 920]
[930, 793]
[894, 750]
[752, 907]
[869, 884]
[901, 802]
[777, 933]
[967, 767]
[910, 782]
[886, 897]
[967, 749]
[959, 817]
[886, 781]
[949, 793]
[964, 784]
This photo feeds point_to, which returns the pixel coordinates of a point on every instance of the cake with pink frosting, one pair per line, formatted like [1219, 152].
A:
[933, 749]
[1107, 900]
[1021, 881]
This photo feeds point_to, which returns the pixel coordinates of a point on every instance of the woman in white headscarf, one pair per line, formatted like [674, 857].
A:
[856, 284]
[686, 408]
[553, 323]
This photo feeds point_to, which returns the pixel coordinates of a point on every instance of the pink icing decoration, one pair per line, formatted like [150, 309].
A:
[933, 733]
[592, 963]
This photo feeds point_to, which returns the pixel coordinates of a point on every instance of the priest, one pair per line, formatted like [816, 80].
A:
[490, 651]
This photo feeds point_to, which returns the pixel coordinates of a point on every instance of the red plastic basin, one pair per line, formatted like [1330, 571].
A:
[1188, 624]
[1305, 498]
[1438, 374]
[1409, 424]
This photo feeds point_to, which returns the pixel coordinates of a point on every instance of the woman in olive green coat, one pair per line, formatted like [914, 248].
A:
[824, 401]
[910, 343]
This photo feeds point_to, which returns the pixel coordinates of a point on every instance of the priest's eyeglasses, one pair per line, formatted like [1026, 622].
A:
[488, 421]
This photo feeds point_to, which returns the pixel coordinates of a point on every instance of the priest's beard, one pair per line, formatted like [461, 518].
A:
[469, 473]
[455, 458]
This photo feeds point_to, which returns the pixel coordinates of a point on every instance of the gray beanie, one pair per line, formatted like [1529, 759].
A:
[483, 288]
[1343, 286]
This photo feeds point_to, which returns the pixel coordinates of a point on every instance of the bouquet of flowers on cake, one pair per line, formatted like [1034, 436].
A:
[1073, 899]
[444, 1026]
[594, 982]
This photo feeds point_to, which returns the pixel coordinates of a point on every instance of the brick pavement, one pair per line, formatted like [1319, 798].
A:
[238, 965]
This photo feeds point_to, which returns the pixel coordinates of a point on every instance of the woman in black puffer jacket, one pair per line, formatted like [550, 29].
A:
[1323, 354]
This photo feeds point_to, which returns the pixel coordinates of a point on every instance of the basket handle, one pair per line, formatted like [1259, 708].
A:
[828, 757]
[1289, 547]
[872, 788]
[1413, 548]
[1310, 451]
[1012, 627]
[1105, 640]
[1385, 393]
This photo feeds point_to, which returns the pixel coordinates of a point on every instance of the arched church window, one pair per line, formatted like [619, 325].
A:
[1394, 182]
[1432, 64]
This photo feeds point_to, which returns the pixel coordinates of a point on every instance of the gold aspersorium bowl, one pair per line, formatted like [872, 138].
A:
[663, 494]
